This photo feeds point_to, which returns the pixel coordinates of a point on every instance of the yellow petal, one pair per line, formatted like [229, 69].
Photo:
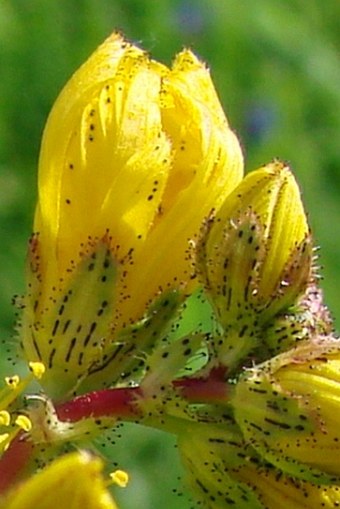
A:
[207, 164]
[73, 481]
[103, 153]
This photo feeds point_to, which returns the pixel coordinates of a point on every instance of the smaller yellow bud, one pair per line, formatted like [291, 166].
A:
[255, 259]
[120, 477]
[23, 422]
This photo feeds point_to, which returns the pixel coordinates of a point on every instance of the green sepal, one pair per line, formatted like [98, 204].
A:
[126, 357]
[70, 334]
[275, 423]
[212, 455]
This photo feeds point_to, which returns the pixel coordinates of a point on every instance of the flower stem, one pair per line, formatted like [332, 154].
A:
[210, 389]
[14, 461]
[121, 403]
[117, 402]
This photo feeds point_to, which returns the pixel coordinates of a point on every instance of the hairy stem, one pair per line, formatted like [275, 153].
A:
[119, 403]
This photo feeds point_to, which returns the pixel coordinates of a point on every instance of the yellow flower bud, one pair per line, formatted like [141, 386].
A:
[255, 258]
[288, 409]
[224, 471]
[75, 479]
[134, 156]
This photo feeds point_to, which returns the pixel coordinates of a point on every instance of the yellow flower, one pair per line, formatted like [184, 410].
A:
[73, 481]
[255, 260]
[134, 157]
[223, 471]
[288, 409]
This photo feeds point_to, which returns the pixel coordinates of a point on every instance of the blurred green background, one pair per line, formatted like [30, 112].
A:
[276, 66]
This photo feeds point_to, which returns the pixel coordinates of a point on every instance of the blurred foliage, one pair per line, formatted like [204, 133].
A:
[276, 67]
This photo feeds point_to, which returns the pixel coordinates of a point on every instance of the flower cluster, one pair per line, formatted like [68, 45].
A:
[272, 438]
[143, 213]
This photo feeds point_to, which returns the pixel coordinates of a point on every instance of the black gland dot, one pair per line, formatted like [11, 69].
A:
[106, 263]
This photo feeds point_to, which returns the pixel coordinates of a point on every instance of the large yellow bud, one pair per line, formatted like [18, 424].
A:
[134, 157]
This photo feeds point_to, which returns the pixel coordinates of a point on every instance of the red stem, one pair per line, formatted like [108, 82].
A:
[14, 461]
[118, 402]
[115, 402]
[212, 389]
